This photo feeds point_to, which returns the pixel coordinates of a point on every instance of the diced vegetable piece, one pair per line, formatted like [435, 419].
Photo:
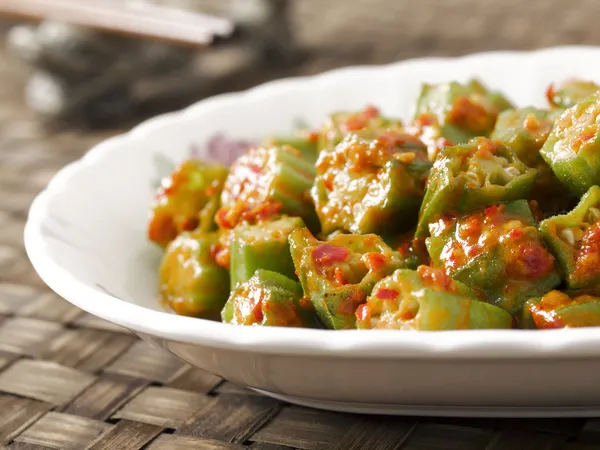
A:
[574, 239]
[191, 283]
[303, 141]
[264, 183]
[570, 92]
[269, 299]
[573, 147]
[263, 246]
[337, 275]
[427, 128]
[525, 131]
[370, 186]
[462, 111]
[497, 251]
[558, 310]
[186, 200]
[368, 123]
[470, 176]
[427, 300]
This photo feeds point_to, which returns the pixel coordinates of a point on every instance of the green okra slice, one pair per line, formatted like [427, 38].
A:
[191, 282]
[497, 251]
[427, 299]
[337, 275]
[525, 131]
[574, 239]
[570, 92]
[303, 141]
[368, 123]
[560, 310]
[268, 299]
[187, 199]
[265, 183]
[462, 111]
[470, 176]
[263, 246]
[370, 185]
[573, 147]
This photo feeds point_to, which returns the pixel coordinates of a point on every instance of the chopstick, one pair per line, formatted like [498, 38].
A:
[133, 18]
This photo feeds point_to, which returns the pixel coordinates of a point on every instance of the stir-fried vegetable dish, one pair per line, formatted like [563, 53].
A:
[474, 214]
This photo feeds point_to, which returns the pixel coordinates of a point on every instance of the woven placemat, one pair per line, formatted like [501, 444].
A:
[71, 381]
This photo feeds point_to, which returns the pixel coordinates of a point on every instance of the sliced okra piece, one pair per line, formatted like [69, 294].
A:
[263, 246]
[559, 310]
[574, 239]
[497, 251]
[267, 182]
[573, 147]
[268, 299]
[191, 282]
[570, 92]
[427, 299]
[470, 176]
[187, 199]
[370, 185]
[462, 111]
[337, 275]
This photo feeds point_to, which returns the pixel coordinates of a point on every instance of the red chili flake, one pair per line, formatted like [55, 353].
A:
[313, 136]
[550, 94]
[189, 223]
[387, 294]
[258, 313]
[327, 254]
[491, 211]
[533, 261]
[339, 275]
[516, 233]
[436, 278]
[363, 312]
[375, 261]
[426, 119]
[371, 112]
[255, 168]
[404, 248]
[355, 123]
[221, 219]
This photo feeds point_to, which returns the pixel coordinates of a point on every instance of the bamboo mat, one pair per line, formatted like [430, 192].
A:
[71, 381]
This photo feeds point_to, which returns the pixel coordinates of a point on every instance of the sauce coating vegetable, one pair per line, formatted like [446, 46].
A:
[472, 214]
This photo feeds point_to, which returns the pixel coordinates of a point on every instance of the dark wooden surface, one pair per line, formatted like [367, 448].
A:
[70, 381]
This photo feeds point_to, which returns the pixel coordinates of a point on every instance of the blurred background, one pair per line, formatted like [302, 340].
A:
[78, 76]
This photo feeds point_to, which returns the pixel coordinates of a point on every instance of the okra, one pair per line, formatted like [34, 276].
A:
[368, 123]
[265, 183]
[525, 131]
[191, 283]
[497, 251]
[370, 185]
[570, 92]
[559, 310]
[574, 239]
[470, 176]
[462, 111]
[187, 199]
[263, 246]
[427, 299]
[337, 275]
[573, 147]
[268, 299]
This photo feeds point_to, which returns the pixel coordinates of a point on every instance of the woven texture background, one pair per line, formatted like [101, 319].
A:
[70, 381]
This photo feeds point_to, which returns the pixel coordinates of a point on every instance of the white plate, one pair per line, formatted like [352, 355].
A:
[86, 238]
